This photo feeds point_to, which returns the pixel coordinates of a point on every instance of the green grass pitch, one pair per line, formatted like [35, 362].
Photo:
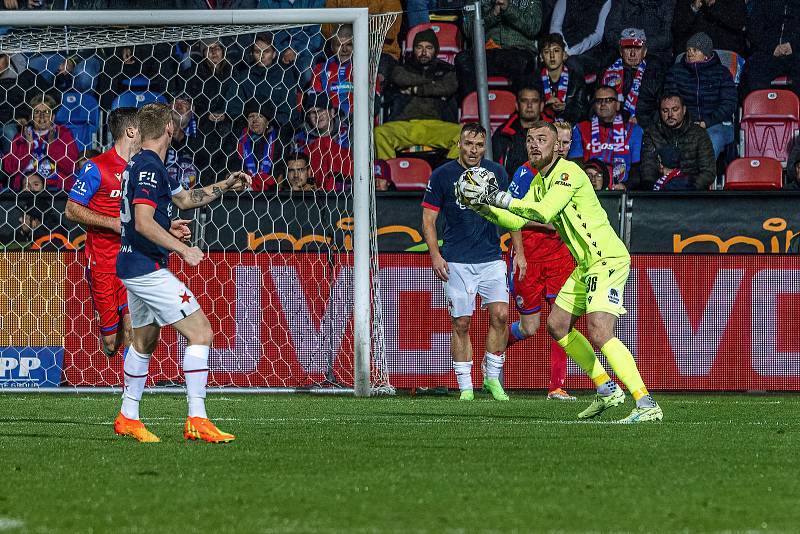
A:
[718, 463]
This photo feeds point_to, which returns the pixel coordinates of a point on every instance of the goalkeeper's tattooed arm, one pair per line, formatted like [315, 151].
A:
[236, 181]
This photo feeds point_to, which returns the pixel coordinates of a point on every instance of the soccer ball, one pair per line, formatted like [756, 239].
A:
[473, 176]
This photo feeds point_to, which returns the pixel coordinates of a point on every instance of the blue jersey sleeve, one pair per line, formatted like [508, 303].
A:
[521, 182]
[433, 193]
[86, 184]
[576, 148]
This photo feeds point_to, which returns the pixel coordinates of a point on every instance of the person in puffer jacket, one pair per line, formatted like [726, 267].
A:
[707, 89]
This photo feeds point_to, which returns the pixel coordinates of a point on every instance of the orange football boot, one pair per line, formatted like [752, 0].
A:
[135, 429]
[202, 428]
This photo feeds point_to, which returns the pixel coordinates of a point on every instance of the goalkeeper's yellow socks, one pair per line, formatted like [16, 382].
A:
[624, 366]
[580, 350]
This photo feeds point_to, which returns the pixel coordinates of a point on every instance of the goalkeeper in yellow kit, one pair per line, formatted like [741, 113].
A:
[562, 194]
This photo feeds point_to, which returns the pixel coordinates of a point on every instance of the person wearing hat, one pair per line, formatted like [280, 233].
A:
[707, 89]
[722, 20]
[261, 146]
[653, 17]
[636, 79]
[597, 171]
[325, 139]
[675, 129]
[420, 115]
[672, 177]
[773, 29]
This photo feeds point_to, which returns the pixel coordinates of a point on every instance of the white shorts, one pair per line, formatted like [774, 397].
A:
[469, 279]
[158, 297]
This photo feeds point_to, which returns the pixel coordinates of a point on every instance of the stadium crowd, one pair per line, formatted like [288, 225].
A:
[651, 88]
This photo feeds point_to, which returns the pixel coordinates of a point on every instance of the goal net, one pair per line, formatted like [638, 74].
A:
[289, 281]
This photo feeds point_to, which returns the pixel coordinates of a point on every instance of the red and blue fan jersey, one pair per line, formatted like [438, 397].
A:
[98, 187]
[145, 181]
[336, 80]
[539, 245]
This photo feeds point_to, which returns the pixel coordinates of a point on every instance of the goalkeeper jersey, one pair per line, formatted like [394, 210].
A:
[565, 197]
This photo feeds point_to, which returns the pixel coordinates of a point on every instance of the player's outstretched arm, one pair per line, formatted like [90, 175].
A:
[88, 217]
[194, 198]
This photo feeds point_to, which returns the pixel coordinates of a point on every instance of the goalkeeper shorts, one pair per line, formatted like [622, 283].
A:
[597, 289]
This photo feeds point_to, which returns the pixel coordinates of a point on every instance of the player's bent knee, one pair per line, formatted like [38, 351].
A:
[529, 324]
[110, 345]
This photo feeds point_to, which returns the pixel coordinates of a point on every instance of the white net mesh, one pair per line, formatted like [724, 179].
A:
[277, 283]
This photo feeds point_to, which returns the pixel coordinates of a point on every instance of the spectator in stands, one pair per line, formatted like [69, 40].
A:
[654, 17]
[426, 85]
[581, 23]
[206, 79]
[773, 29]
[334, 75]
[636, 79]
[34, 183]
[261, 146]
[298, 173]
[185, 143]
[326, 142]
[508, 142]
[301, 45]
[215, 128]
[43, 147]
[564, 90]
[722, 20]
[597, 171]
[675, 129]
[322, 119]
[265, 80]
[792, 166]
[607, 136]
[511, 27]
[390, 54]
[15, 79]
[707, 89]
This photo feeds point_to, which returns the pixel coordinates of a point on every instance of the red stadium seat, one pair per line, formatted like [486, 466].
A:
[450, 42]
[409, 174]
[754, 174]
[502, 104]
[770, 120]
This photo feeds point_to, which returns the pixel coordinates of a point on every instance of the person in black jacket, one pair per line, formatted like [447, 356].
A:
[564, 90]
[636, 77]
[676, 130]
[654, 17]
[707, 89]
[773, 29]
[508, 142]
[722, 20]
[204, 80]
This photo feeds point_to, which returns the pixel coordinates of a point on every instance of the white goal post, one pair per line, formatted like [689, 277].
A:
[363, 246]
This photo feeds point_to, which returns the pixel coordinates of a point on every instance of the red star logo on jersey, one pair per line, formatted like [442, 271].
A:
[186, 297]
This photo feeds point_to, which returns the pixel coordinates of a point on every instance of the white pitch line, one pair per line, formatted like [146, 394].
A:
[7, 523]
